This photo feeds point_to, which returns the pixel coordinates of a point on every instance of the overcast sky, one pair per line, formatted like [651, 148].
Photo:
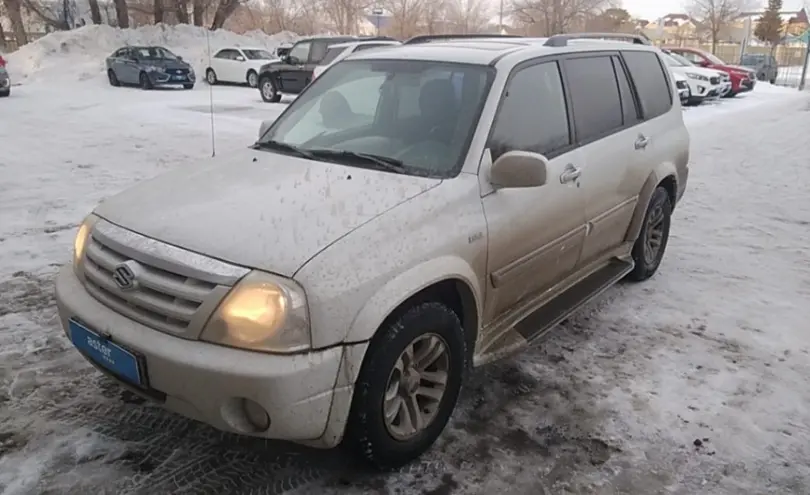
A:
[653, 9]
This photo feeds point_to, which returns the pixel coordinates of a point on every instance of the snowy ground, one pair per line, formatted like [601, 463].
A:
[694, 382]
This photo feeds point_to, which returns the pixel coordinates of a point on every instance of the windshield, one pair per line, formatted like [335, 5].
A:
[685, 62]
[753, 59]
[713, 58]
[419, 114]
[154, 53]
[258, 55]
[671, 61]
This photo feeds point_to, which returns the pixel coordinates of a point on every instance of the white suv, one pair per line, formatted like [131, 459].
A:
[414, 212]
[703, 83]
[338, 52]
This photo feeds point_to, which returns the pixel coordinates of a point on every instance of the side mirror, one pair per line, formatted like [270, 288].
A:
[240, 58]
[286, 59]
[519, 169]
[264, 126]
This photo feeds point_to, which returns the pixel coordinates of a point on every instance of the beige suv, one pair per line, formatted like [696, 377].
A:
[414, 212]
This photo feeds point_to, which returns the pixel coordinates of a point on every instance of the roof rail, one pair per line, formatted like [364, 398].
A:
[376, 38]
[427, 38]
[563, 39]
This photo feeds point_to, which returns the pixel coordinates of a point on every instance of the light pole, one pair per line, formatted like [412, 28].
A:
[377, 12]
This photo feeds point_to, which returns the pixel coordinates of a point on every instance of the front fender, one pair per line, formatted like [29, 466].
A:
[404, 286]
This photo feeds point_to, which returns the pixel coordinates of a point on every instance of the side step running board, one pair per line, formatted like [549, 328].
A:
[538, 323]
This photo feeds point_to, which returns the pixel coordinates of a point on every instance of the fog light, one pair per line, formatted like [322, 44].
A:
[256, 415]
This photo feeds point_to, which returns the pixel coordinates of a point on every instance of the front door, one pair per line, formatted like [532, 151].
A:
[535, 234]
[293, 74]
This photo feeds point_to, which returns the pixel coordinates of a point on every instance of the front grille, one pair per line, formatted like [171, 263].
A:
[680, 84]
[714, 80]
[163, 297]
[177, 72]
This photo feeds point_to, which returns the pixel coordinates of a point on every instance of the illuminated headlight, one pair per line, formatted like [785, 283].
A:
[699, 77]
[80, 242]
[262, 312]
[153, 68]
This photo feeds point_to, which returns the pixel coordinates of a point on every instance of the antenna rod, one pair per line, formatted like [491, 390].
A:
[211, 96]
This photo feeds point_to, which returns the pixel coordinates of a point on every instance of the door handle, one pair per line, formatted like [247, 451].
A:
[570, 174]
[642, 142]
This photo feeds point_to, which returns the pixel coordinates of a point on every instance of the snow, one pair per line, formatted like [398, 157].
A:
[713, 349]
[79, 54]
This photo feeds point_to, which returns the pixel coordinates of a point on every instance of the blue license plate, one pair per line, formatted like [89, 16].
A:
[111, 356]
[179, 78]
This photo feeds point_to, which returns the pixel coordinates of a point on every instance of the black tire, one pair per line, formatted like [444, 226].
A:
[145, 82]
[772, 81]
[6, 93]
[211, 77]
[367, 435]
[188, 86]
[268, 90]
[658, 214]
[730, 94]
[113, 78]
[252, 79]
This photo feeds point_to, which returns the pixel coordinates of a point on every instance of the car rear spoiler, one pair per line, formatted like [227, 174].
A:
[563, 39]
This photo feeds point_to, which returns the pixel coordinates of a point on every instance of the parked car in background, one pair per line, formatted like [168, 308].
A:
[682, 85]
[338, 52]
[2, 61]
[703, 83]
[765, 66]
[742, 78]
[239, 65]
[282, 50]
[5, 82]
[412, 214]
[294, 71]
[148, 67]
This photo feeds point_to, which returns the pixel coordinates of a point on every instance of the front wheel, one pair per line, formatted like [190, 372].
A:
[648, 251]
[113, 78]
[408, 386]
[144, 81]
[188, 86]
[268, 90]
[252, 79]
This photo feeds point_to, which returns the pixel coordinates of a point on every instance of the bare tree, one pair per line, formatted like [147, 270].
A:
[158, 6]
[547, 17]
[181, 11]
[468, 16]
[95, 11]
[434, 13]
[345, 14]
[406, 16]
[225, 8]
[121, 13]
[714, 15]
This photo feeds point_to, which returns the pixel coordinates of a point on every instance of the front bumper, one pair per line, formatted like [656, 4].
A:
[169, 79]
[746, 85]
[725, 88]
[208, 382]
[683, 94]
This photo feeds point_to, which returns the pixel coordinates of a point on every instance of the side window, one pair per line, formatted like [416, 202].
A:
[652, 83]
[629, 110]
[223, 54]
[595, 99]
[318, 51]
[533, 115]
[331, 54]
[299, 54]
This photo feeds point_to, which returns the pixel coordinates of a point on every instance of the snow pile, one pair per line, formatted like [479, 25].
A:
[80, 53]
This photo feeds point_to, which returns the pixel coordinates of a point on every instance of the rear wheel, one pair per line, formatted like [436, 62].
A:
[113, 78]
[648, 251]
[252, 79]
[408, 386]
[144, 81]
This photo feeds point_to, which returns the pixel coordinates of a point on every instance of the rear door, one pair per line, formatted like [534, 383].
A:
[605, 128]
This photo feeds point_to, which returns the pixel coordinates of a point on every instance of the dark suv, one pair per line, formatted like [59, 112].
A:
[293, 72]
[766, 67]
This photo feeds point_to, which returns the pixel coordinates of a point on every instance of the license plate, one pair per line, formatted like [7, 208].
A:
[106, 354]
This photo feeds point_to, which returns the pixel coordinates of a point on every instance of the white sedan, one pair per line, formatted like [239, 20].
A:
[238, 65]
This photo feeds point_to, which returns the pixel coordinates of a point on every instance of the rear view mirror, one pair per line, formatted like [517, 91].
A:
[519, 169]
[264, 126]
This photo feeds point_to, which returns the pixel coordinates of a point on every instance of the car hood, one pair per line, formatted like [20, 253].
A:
[259, 209]
[698, 70]
[738, 68]
[166, 64]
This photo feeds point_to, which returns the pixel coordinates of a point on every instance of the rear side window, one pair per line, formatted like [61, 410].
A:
[595, 99]
[652, 83]
[533, 116]
[332, 54]
[319, 49]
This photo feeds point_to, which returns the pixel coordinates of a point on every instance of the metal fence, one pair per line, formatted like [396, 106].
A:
[791, 58]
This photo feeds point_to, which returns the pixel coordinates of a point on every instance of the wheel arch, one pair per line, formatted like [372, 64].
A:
[665, 176]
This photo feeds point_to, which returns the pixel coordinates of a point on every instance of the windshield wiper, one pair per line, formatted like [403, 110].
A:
[284, 147]
[381, 162]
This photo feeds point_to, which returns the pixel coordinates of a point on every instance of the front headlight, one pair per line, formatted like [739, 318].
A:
[262, 312]
[699, 77]
[82, 236]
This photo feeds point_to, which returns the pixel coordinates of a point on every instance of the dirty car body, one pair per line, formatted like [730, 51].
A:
[414, 212]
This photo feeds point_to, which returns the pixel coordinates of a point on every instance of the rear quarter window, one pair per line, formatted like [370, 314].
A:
[651, 82]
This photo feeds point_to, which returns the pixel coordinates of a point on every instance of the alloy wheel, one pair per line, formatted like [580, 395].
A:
[655, 235]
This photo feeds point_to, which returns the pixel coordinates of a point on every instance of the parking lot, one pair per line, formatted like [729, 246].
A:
[692, 383]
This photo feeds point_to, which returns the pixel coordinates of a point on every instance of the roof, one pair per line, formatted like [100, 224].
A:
[365, 42]
[487, 51]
